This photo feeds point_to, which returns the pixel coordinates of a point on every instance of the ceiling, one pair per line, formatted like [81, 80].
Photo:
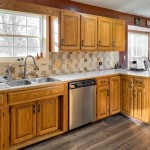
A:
[136, 7]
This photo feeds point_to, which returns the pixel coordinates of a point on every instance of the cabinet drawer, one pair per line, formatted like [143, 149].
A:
[139, 82]
[103, 81]
[35, 94]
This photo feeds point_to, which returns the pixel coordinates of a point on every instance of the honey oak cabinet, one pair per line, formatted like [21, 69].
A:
[1, 123]
[141, 103]
[69, 31]
[88, 32]
[102, 102]
[127, 95]
[118, 35]
[104, 34]
[23, 122]
[114, 95]
[47, 115]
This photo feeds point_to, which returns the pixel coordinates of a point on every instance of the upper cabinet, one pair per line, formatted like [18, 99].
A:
[69, 31]
[104, 34]
[118, 35]
[83, 32]
[88, 32]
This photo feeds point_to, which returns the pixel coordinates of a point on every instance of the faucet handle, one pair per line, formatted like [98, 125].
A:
[36, 68]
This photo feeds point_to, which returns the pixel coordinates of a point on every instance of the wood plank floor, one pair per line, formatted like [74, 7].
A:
[114, 133]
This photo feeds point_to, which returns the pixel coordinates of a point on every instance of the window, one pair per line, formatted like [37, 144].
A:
[137, 48]
[20, 34]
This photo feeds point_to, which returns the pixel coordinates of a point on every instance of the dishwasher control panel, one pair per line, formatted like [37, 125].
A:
[82, 83]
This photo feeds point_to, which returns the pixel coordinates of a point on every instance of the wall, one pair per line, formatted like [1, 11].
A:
[65, 62]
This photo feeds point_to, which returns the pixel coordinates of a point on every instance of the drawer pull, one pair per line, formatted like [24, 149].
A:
[139, 82]
[103, 81]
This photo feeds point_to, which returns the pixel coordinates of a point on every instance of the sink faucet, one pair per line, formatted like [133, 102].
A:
[25, 66]
[8, 76]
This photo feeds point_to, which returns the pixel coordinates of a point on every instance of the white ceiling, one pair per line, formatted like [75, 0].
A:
[136, 7]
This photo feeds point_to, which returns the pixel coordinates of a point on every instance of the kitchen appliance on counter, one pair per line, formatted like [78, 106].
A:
[82, 103]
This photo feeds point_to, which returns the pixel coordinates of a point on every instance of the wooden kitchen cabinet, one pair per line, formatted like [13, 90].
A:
[47, 115]
[127, 95]
[23, 122]
[141, 104]
[118, 35]
[102, 103]
[69, 31]
[104, 34]
[114, 95]
[1, 122]
[88, 32]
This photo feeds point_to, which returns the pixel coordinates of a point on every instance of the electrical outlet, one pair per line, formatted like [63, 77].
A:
[57, 64]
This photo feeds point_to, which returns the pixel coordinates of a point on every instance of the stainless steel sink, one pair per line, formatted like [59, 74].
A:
[18, 83]
[43, 80]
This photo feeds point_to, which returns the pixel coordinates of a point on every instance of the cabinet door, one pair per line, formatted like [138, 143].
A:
[141, 107]
[88, 32]
[104, 34]
[23, 122]
[70, 31]
[102, 102]
[1, 127]
[114, 95]
[47, 118]
[119, 35]
[127, 96]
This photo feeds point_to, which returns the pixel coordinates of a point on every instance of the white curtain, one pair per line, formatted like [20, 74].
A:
[137, 48]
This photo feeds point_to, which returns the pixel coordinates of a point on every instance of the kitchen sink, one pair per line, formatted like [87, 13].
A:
[18, 83]
[43, 80]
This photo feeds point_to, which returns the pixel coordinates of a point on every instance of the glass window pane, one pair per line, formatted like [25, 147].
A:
[20, 42]
[6, 29]
[33, 42]
[5, 18]
[18, 20]
[6, 41]
[33, 21]
[33, 31]
[33, 51]
[19, 30]
[6, 51]
[20, 51]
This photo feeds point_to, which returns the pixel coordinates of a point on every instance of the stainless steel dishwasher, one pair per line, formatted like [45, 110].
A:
[82, 103]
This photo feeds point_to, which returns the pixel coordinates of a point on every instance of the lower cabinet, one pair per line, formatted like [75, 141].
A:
[102, 102]
[32, 119]
[47, 115]
[23, 122]
[141, 104]
[127, 95]
[108, 96]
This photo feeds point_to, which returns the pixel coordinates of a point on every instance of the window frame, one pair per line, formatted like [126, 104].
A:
[43, 46]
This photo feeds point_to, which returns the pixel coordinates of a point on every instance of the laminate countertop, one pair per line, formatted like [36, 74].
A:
[77, 76]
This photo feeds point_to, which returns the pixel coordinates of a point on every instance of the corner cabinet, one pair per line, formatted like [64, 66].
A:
[127, 95]
[69, 31]
[88, 32]
[118, 35]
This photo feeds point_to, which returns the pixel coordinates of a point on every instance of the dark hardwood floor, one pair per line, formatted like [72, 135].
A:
[114, 133]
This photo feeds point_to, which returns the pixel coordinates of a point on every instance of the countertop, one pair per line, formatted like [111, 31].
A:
[78, 76]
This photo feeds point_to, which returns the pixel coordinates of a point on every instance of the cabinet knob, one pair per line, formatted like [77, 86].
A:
[39, 107]
[107, 92]
[82, 43]
[34, 109]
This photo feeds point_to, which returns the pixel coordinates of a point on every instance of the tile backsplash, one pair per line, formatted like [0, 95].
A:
[66, 62]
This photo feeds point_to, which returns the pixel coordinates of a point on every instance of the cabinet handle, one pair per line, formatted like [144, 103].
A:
[34, 109]
[39, 107]
[107, 92]
[113, 44]
[99, 43]
[103, 81]
[82, 43]
[130, 84]
[139, 82]
[62, 42]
